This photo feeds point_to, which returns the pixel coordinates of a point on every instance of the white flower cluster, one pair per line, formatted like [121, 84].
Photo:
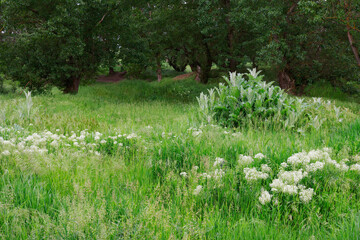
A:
[279, 186]
[245, 160]
[306, 194]
[195, 132]
[302, 164]
[259, 156]
[265, 197]
[265, 168]
[313, 167]
[356, 158]
[251, 174]
[291, 177]
[197, 190]
[6, 153]
[355, 167]
[322, 157]
[218, 174]
[298, 159]
[42, 142]
[219, 161]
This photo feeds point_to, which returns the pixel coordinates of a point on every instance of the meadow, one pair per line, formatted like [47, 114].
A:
[133, 160]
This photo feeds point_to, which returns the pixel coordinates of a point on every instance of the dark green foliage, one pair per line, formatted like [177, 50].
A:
[296, 42]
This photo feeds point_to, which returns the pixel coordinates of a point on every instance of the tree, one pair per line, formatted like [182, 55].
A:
[58, 42]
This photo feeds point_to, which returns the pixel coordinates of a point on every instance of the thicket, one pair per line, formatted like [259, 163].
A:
[296, 42]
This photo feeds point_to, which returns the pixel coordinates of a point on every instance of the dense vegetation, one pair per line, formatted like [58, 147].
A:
[296, 42]
[237, 119]
[133, 161]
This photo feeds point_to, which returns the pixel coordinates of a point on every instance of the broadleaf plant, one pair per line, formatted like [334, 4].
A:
[246, 98]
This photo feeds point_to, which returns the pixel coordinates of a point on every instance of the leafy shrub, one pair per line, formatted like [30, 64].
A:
[247, 99]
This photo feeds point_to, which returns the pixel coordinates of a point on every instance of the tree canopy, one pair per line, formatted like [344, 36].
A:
[45, 43]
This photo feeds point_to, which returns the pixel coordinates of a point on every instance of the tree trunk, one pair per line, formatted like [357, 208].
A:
[286, 82]
[111, 71]
[230, 37]
[197, 70]
[72, 85]
[174, 64]
[206, 66]
[158, 70]
[353, 47]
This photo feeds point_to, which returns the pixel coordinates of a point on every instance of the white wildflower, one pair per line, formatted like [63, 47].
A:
[284, 165]
[265, 168]
[342, 167]
[197, 190]
[219, 161]
[54, 143]
[290, 189]
[236, 134]
[355, 167]
[328, 150]
[265, 197]
[206, 176]
[313, 167]
[251, 174]
[196, 133]
[219, 173]
[306, 195]
[356, 158]
[245, 160]
[291, 177]
[132, 135]
[298, 159]
[259, 156]
[277, 185]
[103, 141]
[319, 155]
[6, 153]
[183, 174]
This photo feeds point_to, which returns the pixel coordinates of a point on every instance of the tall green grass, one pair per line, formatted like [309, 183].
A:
[70, 194]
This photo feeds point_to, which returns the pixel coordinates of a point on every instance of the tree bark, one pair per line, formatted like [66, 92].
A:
[206, 65]
[111, 71]
[353, 47]
[197, 70]
[173, 63]
[204, 74]
[72, 85]
[230, 37]
[286, 82]
[158, 70]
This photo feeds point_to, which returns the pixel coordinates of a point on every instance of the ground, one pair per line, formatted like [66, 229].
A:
[109, 163]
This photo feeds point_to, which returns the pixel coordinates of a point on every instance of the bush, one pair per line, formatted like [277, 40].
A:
[248, 99]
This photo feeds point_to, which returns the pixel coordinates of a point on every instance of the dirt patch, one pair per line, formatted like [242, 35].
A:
[111, 78]
[184, 76]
